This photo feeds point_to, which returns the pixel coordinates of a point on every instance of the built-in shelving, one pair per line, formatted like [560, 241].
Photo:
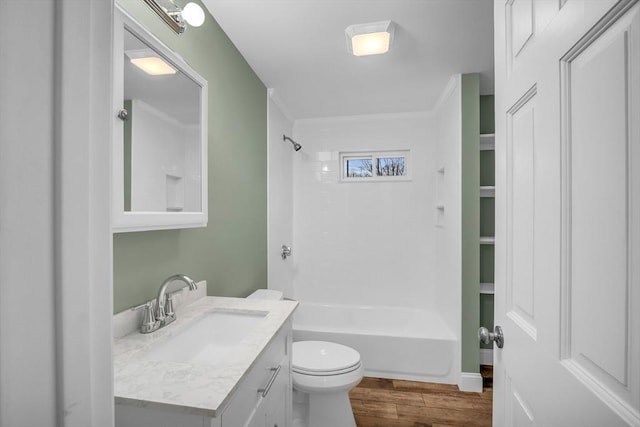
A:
[487, 240]
[486, 288]
[487, 141]
[488, 191]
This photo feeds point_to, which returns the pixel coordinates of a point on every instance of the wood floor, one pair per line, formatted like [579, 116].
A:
[380, 402]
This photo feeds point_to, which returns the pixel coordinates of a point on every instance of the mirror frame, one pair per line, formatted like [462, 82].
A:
[127, 221]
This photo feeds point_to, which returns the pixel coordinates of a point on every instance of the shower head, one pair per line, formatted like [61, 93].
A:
[296, 146]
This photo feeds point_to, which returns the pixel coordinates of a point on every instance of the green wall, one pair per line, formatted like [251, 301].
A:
[487, 114]
[231, 252]
[470, 222]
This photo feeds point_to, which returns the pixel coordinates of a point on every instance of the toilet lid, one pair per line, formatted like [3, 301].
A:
[323, 357]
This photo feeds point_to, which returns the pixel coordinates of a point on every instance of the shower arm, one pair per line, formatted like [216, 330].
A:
[296, 146]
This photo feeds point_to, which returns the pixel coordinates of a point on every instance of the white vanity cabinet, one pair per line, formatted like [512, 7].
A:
[262, 398]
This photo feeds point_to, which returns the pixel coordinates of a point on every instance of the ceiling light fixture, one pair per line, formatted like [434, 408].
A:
[176, 17]
[149, 62]
[370, 39]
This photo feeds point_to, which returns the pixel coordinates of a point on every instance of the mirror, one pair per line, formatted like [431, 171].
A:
[160, 136]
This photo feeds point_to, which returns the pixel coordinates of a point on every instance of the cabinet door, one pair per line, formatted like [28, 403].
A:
[276, 401]
[247, 405]
[136, 416]
[257, 419]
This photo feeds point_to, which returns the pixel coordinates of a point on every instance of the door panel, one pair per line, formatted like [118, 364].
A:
[598, 205]
[567, 286]
[521, 146]
[519, 414]
[599, 196]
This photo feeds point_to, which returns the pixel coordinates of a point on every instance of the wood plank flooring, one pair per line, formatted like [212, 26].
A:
[378, 402]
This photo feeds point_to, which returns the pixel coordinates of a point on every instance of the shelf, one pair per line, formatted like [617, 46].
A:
[486, 240]
[440, 215]
[487, 141]
[486, 288]
[439, 197]
[487, 191]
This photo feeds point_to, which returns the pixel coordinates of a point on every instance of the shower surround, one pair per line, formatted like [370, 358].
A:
[369, 267]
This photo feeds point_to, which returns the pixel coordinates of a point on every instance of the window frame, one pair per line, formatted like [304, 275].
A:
[375, 156]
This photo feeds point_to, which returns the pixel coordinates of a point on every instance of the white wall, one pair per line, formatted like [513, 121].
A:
[165, 162]
[280, 196]
[448, 115]
[364, 243]
[55, 240]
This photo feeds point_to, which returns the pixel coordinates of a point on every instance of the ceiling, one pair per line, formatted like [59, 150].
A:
[298, 48]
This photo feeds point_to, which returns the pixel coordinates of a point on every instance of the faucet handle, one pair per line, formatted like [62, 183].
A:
[168, 305]
[149, 323]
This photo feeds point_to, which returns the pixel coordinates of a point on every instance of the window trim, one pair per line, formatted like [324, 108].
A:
[375, 156]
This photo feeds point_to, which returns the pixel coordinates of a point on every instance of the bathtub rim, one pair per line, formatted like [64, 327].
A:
[446, 332]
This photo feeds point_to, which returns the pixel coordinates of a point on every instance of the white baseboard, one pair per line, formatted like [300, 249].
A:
[471, 382]
[486, 356]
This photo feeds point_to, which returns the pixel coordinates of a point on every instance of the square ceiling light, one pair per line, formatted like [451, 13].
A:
[149, 62]
[370, 39]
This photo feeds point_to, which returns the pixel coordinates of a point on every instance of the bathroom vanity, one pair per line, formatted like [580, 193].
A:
[225, 362]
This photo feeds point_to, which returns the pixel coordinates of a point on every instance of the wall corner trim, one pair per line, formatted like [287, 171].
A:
[454, 82]
[470, 382]
[273, 95]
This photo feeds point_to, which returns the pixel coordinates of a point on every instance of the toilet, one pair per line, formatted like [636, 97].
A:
[323, 373]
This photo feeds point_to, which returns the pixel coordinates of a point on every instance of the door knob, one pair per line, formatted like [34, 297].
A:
[486, 337]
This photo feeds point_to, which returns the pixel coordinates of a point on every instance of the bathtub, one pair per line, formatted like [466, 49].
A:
[394, 342]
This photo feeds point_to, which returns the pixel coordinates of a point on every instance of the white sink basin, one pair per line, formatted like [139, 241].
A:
[208, 340]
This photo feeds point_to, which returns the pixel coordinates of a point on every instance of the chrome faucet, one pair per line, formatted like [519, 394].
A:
[159, 313]
[164, 305]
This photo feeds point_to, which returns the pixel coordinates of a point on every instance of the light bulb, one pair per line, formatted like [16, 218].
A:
[193, 14]
[370, 44]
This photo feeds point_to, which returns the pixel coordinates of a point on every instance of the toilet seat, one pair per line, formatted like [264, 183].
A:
[326, 373]
[321, 358]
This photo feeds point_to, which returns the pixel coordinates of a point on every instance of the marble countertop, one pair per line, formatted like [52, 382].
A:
[191, 387]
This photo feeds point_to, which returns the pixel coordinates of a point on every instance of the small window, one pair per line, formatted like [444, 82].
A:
[391, 166]
[358, 167]
[375, 166]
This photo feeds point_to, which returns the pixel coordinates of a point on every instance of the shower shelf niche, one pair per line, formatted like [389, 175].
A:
[439, 193]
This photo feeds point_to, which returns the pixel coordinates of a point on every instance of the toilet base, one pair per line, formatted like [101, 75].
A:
[300, 409]
[322, 410]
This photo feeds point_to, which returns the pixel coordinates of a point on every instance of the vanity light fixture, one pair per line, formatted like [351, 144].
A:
[174, 16]
[370, 39]
[149, 62]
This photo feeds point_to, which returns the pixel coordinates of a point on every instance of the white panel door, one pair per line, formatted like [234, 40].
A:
[567, 212]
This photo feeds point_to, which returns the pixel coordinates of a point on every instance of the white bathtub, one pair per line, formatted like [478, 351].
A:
[397, 343]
